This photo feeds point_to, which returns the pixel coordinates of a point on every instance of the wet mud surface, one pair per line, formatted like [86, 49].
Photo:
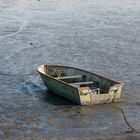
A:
[100, 36]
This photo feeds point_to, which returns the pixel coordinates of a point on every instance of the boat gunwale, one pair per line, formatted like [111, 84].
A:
[80, 69]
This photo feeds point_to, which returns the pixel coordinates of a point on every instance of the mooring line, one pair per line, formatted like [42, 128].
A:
[124, 116]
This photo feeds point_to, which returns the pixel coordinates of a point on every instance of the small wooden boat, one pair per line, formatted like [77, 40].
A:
[80, 86]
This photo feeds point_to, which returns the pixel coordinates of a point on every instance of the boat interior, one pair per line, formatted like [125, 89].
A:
[79, 78]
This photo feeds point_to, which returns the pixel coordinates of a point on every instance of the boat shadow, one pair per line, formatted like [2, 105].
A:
[40, 92]
[54, 99]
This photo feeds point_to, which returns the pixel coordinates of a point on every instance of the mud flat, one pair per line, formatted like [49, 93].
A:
[100, 36]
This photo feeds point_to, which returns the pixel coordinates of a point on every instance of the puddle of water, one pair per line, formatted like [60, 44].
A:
[31, 89]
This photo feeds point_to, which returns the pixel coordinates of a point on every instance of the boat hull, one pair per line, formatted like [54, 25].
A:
[61, 89]
[81, 96]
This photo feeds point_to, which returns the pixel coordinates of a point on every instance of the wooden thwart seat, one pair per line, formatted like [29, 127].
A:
[83, 83]
[69, 77]
[78, 84]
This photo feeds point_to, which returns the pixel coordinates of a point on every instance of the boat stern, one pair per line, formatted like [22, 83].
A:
[87, 97]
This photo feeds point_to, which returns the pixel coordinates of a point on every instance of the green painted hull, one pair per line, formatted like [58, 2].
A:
[80, 95]
[61, 88]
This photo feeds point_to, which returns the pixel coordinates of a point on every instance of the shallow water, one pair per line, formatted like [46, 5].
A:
[100, 36]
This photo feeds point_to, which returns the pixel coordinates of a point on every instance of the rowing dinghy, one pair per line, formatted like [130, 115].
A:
[80, 86]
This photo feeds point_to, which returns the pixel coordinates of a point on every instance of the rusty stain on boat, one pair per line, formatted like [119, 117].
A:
[80, 86]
